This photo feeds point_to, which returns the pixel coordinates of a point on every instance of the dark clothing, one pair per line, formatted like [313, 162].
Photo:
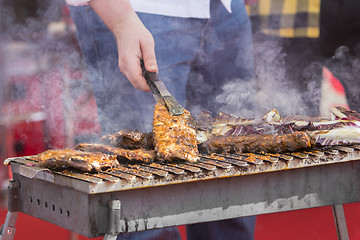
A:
[223, 230]
[340, 25]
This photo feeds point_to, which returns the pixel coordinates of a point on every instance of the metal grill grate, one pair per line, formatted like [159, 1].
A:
[208, 167]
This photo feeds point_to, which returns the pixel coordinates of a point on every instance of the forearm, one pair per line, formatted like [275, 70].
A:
[133, 40]
[114, 13]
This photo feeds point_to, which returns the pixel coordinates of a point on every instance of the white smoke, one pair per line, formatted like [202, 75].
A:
[275, 89]
[238, 98]
[36, 43]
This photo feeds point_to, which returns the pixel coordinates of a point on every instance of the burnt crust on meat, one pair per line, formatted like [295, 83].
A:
[174, 136]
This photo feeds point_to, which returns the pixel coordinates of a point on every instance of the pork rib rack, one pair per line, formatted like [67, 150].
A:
[174, 136]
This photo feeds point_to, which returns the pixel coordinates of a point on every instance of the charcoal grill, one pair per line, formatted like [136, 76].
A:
[140, 197]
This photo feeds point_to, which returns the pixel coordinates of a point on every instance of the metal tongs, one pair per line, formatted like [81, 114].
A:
[160, 91]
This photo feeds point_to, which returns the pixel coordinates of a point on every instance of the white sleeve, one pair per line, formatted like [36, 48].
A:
[77, 2]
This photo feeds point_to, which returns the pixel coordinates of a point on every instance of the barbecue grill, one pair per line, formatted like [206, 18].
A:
[135, 197]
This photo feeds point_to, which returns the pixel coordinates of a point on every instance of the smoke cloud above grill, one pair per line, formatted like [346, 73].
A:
[273, 88]
[287, 80]
[43, 75]
[238, 98]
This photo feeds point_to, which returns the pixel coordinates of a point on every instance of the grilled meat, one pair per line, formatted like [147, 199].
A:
[227, 124]
[84, 161]
[139, 155]
[341, 129]
[129, 140]
[257, 143]
[174, 136]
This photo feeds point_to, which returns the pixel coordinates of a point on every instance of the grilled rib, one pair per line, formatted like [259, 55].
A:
[84, 161]
[257, 143]
[129, 140]
[174, 136]
[141, 155]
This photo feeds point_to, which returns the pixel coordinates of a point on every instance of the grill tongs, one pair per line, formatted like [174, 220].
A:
[160, 91]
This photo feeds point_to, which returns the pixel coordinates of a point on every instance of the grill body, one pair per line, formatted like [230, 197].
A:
[84, 203]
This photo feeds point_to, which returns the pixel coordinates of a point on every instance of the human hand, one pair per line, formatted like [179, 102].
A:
[134, 41]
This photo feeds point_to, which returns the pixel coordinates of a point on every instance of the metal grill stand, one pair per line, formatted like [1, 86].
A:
[137, 198]
[116, 224]
[7, 231]
[340, 222]
[114, 221]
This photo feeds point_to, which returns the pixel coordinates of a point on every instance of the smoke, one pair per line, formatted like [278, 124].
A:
[287, 79]
[268, 90]
[42, 70]
[31, 17]
[273, 90]
[238, 98]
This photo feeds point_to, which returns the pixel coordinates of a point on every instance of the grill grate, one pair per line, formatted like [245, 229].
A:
[209, 166]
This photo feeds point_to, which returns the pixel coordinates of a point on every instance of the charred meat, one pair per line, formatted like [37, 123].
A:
[257, 143]
[138, 155]
[83, 161]
[174, 136]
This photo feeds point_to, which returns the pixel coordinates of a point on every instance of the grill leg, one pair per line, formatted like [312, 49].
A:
[8, 230]
[340, 222]
[114, 220]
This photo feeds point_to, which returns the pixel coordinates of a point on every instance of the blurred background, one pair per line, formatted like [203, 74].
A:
[46, 101]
